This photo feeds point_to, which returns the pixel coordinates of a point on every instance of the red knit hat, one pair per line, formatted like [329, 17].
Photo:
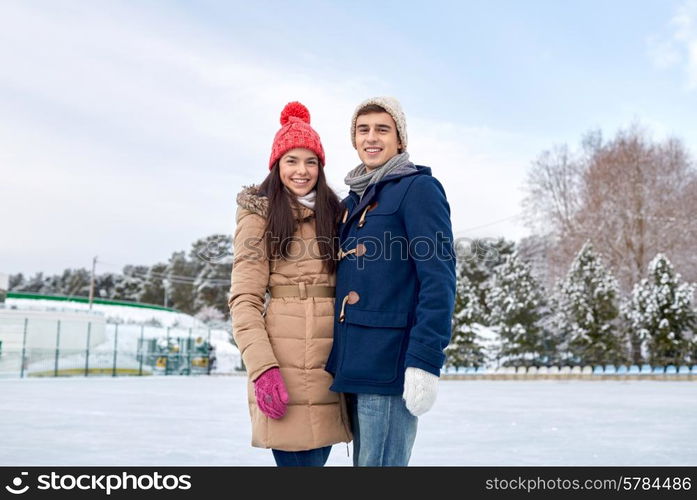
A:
[295, 133]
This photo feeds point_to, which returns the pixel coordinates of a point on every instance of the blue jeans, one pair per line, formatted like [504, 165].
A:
[383, 430]
[307, 458]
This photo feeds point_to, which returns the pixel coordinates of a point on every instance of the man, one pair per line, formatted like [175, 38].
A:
[395, 288]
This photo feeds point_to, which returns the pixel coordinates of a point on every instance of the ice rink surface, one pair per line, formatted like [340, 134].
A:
[204, 421]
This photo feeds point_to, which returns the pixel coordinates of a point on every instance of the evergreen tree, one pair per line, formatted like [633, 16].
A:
[213, 259]
[188, 284]
[73, 282]
[465, 349]
[179, 282]
[129, 286]
[211, 289]
[16, 282]
[515, 302]
[586, 311]
[153, 291]
[53, 285]
[104, 285]
[33, 284]
[660, 312]
[477, 260]
[494, 253]
[216, 248]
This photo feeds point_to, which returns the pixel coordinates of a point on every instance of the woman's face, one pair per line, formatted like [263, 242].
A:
[299, 169]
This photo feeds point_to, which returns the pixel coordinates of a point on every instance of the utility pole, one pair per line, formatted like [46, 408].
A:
[165, 282]
[94, 264]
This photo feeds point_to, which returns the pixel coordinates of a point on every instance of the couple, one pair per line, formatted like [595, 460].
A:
[366, 364]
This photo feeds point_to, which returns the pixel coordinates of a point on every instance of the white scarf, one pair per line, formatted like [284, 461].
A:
[308, 200]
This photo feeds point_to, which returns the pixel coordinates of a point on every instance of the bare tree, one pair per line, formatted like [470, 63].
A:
[553, 192]
[550, 210]
[632, 197]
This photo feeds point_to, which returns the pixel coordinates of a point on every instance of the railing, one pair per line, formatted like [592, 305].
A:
[596, 372]
[37, 347]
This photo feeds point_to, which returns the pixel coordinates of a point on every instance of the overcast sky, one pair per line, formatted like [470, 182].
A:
[127, 128]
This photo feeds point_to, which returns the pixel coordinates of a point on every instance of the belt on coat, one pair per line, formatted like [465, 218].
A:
[302, 290]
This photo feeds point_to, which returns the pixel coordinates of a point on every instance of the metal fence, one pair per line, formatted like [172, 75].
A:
[38, 347]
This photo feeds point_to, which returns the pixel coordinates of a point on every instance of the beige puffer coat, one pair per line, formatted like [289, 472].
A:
[291, 333]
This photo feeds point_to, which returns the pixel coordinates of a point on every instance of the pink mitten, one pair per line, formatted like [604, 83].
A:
[271, 393]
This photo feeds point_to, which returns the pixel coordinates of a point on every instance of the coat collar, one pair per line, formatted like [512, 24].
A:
[374, 189]
[250, 199]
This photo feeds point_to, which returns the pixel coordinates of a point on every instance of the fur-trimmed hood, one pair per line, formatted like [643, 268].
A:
[250, 199]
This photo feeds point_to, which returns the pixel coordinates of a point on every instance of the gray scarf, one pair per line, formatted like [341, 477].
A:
[359, 179]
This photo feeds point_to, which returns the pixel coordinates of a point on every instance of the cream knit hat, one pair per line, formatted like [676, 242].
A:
[392, 106]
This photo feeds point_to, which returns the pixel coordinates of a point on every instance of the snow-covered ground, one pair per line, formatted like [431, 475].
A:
[204, 421]
[112, 312]
[132, 323]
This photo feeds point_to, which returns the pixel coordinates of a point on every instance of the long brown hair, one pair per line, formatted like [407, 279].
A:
[281, 220]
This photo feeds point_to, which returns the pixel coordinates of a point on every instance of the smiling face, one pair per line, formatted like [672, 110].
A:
[376, 139]
[299, 169]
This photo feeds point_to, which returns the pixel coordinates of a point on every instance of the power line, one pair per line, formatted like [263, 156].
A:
[664, 218]
[511, 217]
[174, 278]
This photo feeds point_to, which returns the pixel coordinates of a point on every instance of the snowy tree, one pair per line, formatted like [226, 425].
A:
[53, 285]
[211, 316]
[16, 282]
[33, 284]
[493, 252]
[536, 250]
[586, 311]
[179, 282]
[631, 195]
[477, 259]
[153, 291]
[73, 282]
[188, 284]
[660, 313]
[214, 248]
[515, 302]
[213, 260]
[210, 288]
[70, 282]
[105, 285]
[129, 286]
[465, 349]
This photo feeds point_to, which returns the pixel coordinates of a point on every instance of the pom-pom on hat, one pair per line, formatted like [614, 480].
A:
[295, 132]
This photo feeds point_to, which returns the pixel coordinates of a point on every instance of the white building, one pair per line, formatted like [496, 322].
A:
[4, 286]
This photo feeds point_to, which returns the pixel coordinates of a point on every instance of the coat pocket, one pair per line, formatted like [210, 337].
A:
[374, 344]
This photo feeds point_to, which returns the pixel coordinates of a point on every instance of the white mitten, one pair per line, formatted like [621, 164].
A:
[420, 390]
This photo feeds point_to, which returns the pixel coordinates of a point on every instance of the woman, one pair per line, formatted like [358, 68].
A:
[284, 244]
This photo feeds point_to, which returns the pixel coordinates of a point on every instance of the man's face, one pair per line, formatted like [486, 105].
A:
[376, 139]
